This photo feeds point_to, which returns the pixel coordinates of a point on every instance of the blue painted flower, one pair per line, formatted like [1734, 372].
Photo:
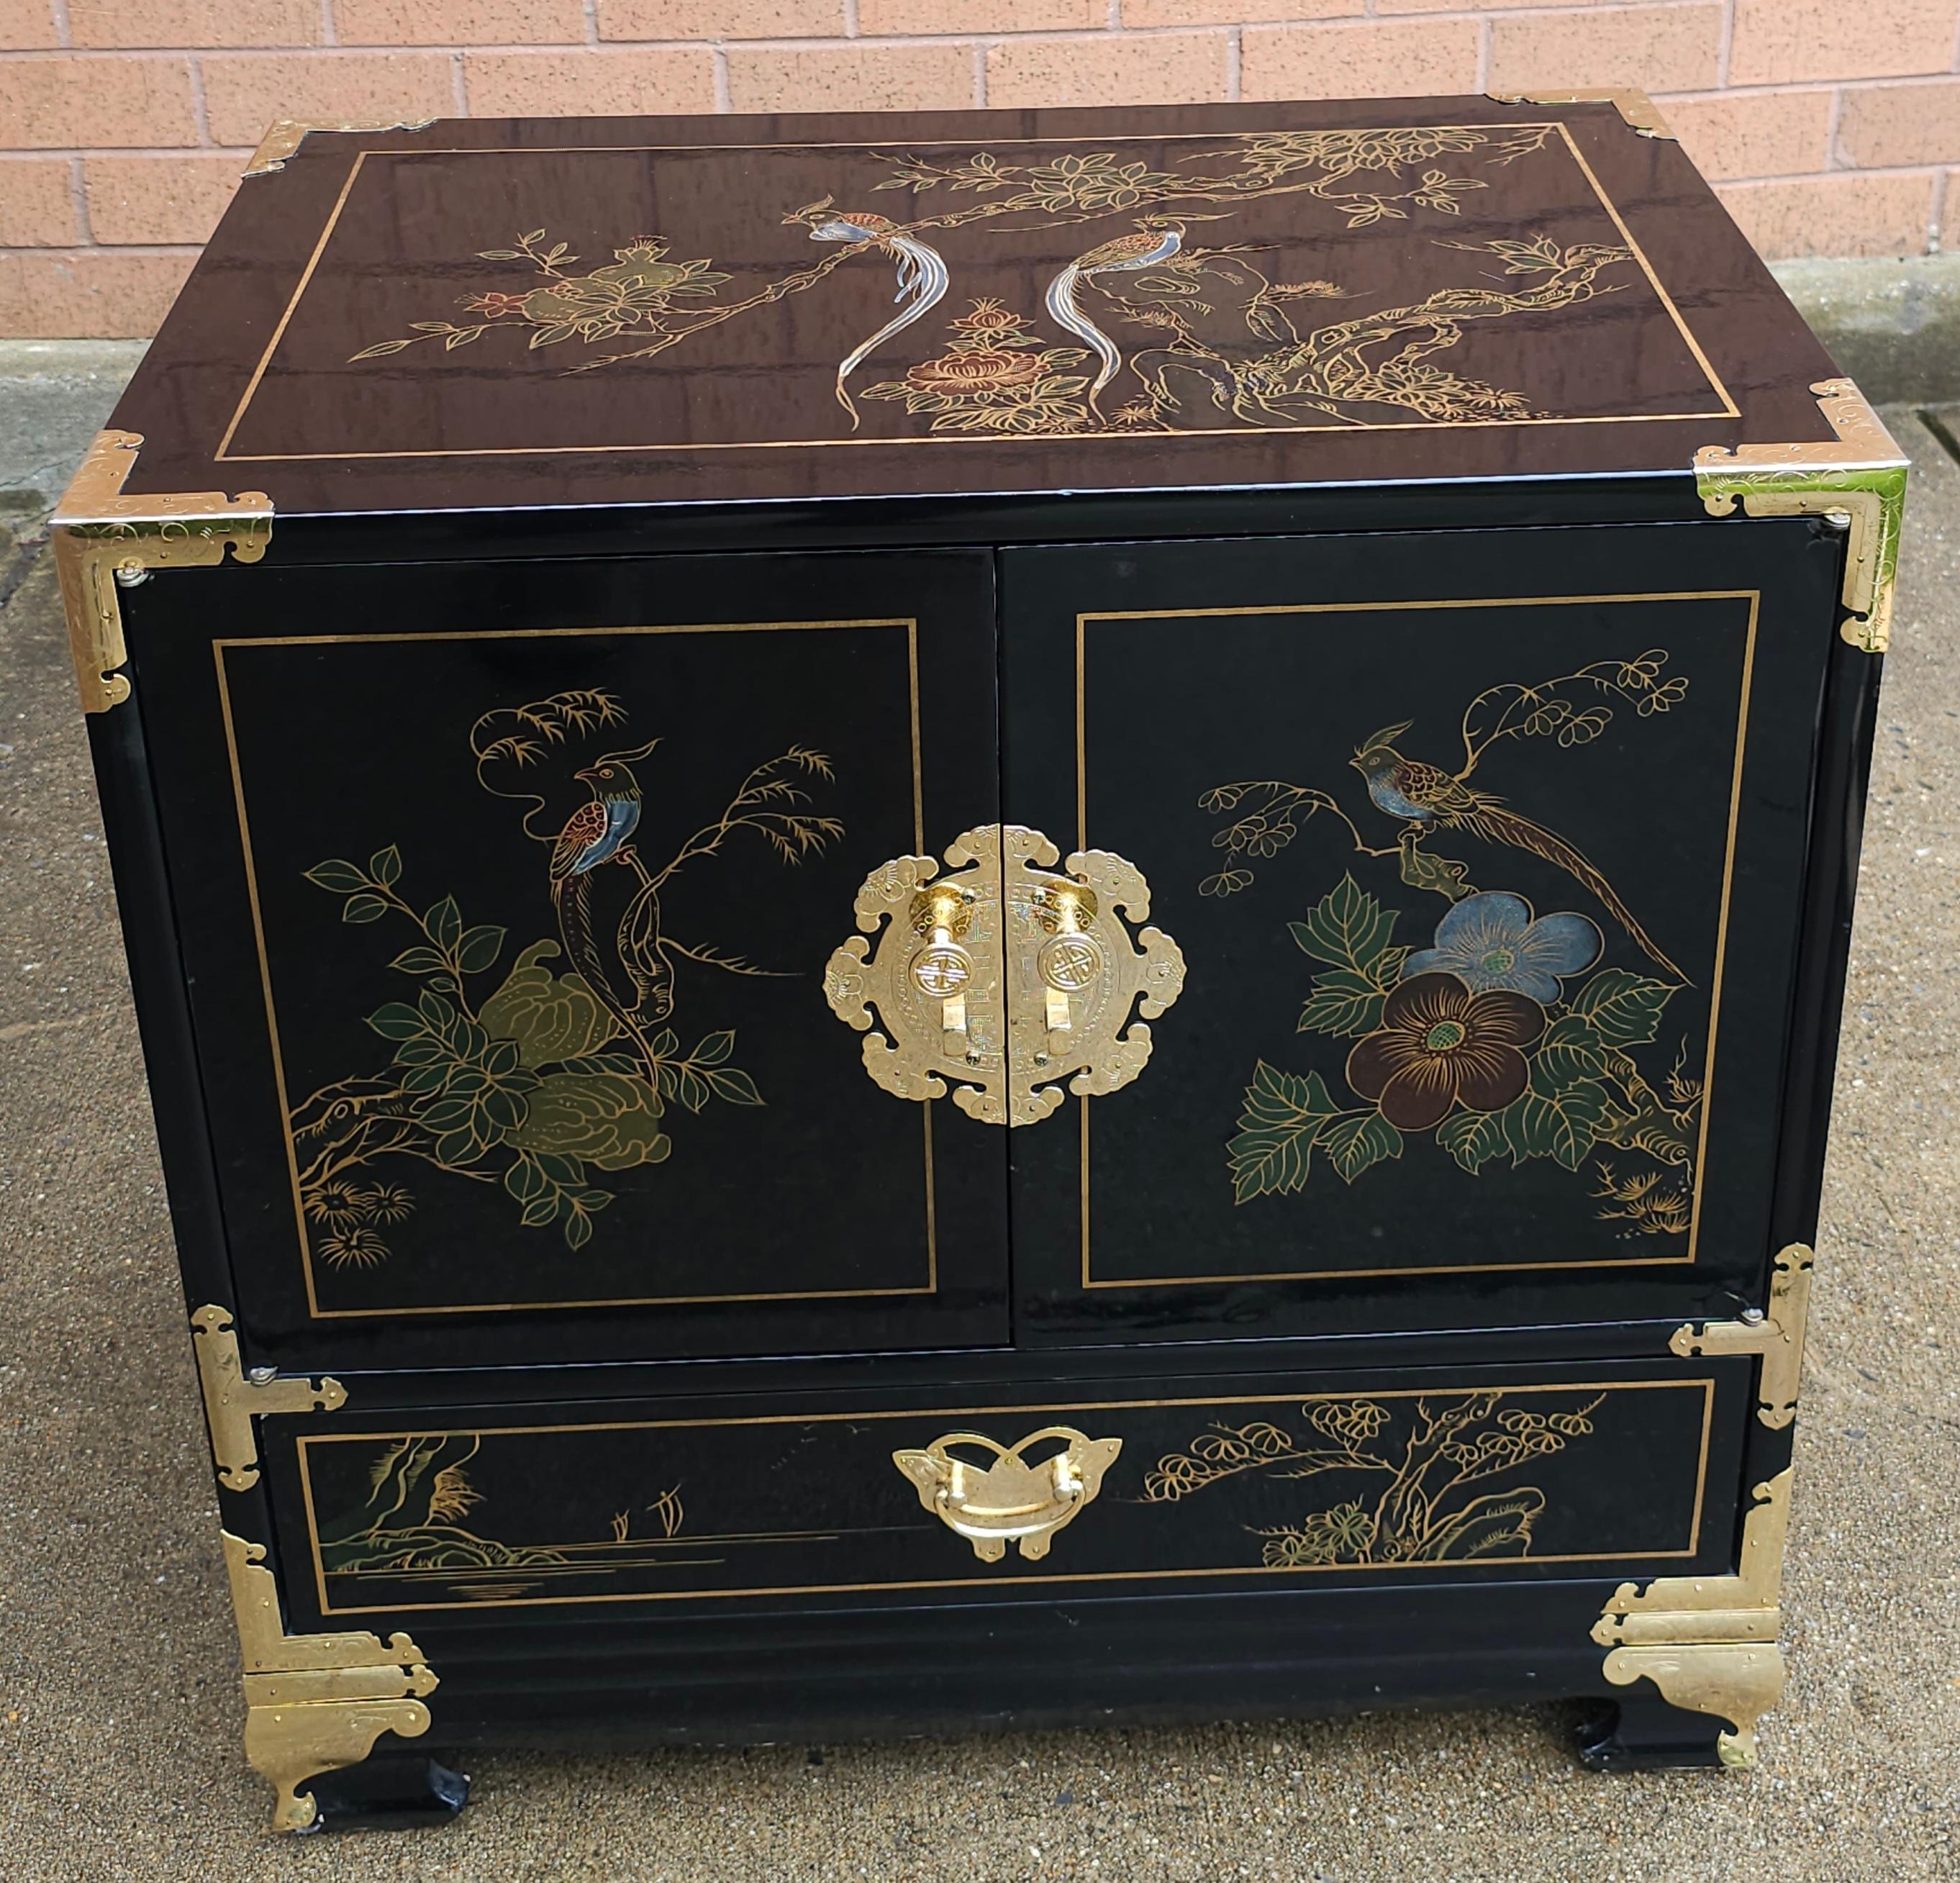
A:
[1490, 941]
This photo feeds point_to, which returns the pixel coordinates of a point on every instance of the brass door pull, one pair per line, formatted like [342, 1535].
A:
[1008, 1500]
[1006, 977]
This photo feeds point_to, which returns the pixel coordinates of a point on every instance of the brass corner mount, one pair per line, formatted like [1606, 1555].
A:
[1709, 1642]
[104, 541]
[285, 137]
[1776, 1334]
[1640, 112]
[1860, 476]
[315, 1703]
[232, 1400]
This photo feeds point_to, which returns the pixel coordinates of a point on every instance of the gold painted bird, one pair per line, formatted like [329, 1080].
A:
[1430, 797]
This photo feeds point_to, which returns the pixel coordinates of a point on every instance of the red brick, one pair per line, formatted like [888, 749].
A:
[1158, 68]
[1885, 127]
[981, 16]
[719, 19]
[459, 22]
[37, 204]
[174, 25]
[27, 25]
[1753, 134]
[1658, 48]
[1399, 61]
[868, 77]
[519, 84]
[1779, 40]
[154, 201]
[1236, 12]
[110, 104]
[1841, 214]
[244, 94]
[89, 295]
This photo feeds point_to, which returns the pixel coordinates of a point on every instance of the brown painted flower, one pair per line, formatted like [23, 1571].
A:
[1440, 1045]
[985, 369]
[988, 316]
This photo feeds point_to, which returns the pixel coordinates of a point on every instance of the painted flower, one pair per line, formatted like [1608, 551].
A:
[357, 1248]
[983, 369]
[1490, 941]
[1440, 1045]
[988, 316]
[498, 306]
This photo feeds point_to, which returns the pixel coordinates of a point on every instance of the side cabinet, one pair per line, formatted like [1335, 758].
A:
[1043, 927]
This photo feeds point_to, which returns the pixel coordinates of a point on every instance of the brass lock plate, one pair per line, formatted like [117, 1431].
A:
[1001, 980]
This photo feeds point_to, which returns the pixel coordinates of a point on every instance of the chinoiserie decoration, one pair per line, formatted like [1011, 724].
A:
[1008, 1500]
[1004, 977]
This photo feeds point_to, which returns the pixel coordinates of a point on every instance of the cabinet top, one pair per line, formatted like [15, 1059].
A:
[488, 313]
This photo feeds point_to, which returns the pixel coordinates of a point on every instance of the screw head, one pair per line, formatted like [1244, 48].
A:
[1753, 1316]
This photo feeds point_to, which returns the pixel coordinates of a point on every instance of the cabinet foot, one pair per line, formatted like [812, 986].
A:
[1643, 1733]
[387, 1793]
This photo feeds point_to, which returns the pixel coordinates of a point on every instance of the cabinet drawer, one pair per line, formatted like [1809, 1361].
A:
[1133, 1486]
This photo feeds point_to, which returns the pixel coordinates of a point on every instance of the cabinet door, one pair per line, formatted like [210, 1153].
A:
[1486, 856]
[505, 893]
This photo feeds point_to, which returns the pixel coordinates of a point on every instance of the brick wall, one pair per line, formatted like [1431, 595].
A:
[1833, 127]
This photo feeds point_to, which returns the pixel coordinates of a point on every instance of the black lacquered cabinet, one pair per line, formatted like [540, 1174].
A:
[1122, 975]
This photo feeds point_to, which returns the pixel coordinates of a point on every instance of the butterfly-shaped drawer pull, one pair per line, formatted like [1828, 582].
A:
[1007, 1498]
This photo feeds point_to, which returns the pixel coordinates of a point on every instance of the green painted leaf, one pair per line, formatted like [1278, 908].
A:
[479, 948]
[713, 1049]
[1563, 1126]
[1343, 1003]
[1570, 1050]
[460, 1147]
[536, 1216]
[1348, 928]
[385, 866]
[500, 1057]
[526, 1182]
[559, 1169]
[444, 923]
[690, 1088]
[395, 1021]
[1357, 1140]
[734, 1086]
[1273, 1149]
[419, 961]
[578, 1230]
[342, 878]
[1625, 1008]
[1473, 1138]
[549, 1017]
[363, 909]
[435, 1011]
[449, 1114]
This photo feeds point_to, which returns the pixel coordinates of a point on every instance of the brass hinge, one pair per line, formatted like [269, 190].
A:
[1860, 477]
[1635, 107]
[104, 540]
[1778, 1336]
[232, 1401]
[1709, 1642]
[286, 136]
[314, 1702]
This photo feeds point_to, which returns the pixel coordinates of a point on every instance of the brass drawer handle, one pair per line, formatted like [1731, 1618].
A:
[1006, 977]
[1008, 1500]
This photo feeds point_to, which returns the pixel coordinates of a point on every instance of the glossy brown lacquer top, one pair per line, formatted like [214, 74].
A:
[485, 312]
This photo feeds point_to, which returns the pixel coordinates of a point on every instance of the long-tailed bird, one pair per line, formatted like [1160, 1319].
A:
[596, 833]
[1156, 239]
[922, 275]
[1430, 797]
